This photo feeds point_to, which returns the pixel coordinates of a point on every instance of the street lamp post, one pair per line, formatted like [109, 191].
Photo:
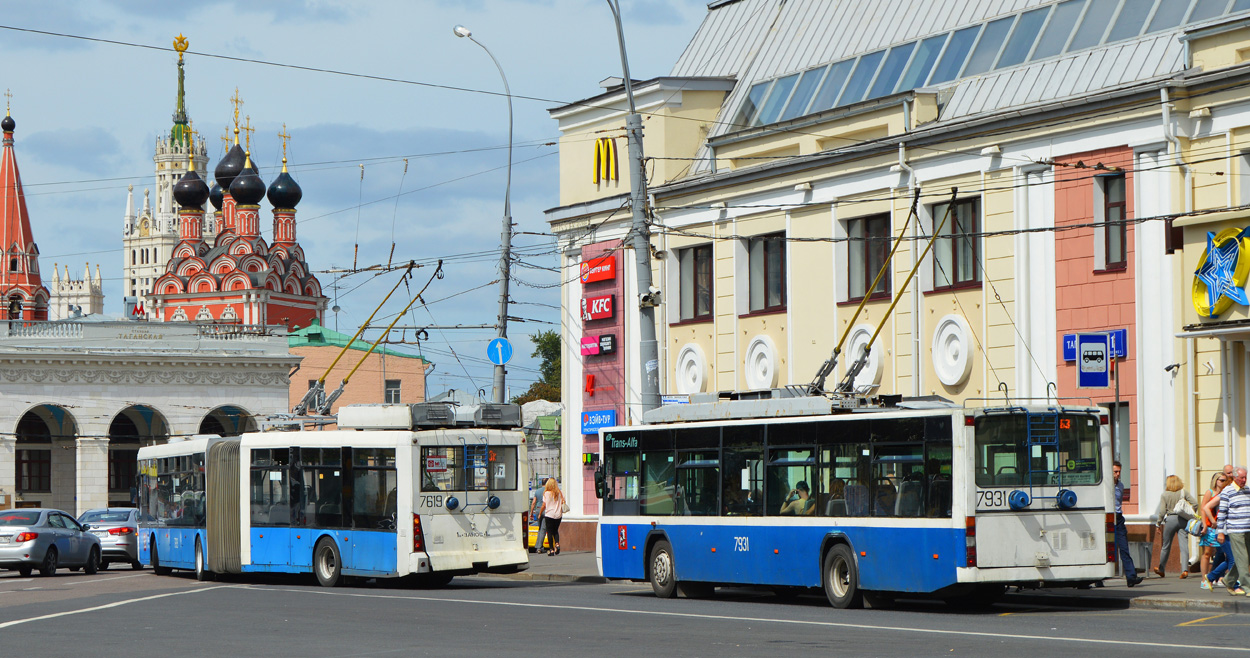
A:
[505, 260]
[648, 295]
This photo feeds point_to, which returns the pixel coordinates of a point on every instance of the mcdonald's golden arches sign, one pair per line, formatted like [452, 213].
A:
[605, 160]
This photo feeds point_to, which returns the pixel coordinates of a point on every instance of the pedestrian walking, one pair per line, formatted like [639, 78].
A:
[553, 509]
[1234, 524]
[1208, 542]
[537, 517]
[1121, 533]
[1175, 510]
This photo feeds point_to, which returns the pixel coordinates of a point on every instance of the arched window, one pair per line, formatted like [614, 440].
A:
[13, 264]
[132, 256]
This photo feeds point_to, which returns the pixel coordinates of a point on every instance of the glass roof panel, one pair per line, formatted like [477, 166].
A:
[1241, 5]
[956, 52]
[776, 100]
[918, 70]
[1022, 38]
[1168, 15]
[1207, 9]
[1093, 25]
[831, 87]
[1058, 29]
[891, 70]
[1132, 17]
[803, 93]
[858, 83]
[991, 42]
[749, 104]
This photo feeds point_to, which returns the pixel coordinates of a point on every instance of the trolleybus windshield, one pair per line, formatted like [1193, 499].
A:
[1022, 449]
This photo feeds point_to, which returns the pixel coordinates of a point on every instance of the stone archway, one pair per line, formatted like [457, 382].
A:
[132, 428]
[228, 420]
[44, 466]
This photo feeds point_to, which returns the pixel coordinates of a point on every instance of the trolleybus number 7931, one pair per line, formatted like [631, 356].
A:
[991, 498]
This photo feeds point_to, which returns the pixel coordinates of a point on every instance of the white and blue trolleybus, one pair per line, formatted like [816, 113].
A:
[396, 491]
[869, 499]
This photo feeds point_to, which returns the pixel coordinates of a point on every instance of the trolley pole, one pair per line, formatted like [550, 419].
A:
[640, 232]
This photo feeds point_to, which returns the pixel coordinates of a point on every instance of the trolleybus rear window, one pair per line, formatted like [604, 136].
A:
[469, 468]
[1022, 449]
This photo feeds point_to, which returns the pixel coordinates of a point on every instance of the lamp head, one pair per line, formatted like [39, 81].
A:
[462, 31]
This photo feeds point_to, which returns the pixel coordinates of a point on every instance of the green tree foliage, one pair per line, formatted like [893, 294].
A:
[547, 349]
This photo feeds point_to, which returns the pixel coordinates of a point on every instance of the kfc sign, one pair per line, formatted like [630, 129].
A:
[599, 269]
[597, 308]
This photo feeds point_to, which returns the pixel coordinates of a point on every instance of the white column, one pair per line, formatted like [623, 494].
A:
[8, 471]
[92, 485]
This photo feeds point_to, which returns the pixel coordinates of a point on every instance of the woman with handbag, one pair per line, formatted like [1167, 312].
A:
[1210, 543]
[1176, 508]
[554, 507]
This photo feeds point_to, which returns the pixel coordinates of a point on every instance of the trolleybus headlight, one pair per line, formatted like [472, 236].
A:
[493, 502]
[1018, 500]
[1066, 498]
[452, 503]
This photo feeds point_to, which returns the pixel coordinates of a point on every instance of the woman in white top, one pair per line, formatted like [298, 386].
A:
[552, 512]
[1173, 522]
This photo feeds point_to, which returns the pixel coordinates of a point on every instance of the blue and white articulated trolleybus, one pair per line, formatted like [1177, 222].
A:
[871, 500]
[396, 491]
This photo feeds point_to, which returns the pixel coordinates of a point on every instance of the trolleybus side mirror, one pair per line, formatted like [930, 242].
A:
[600, 487]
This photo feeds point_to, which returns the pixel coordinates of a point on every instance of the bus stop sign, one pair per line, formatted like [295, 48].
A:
[1093, 359]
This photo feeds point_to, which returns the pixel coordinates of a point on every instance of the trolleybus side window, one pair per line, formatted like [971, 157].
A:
[320, 497]
[270, 504]
[1020, 449]
[742, 477]
[658, 482]
[698, 483]
[374, 482]
[790, 477]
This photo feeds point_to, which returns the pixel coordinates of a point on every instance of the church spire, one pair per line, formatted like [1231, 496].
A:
[22, 290]
[179, 135]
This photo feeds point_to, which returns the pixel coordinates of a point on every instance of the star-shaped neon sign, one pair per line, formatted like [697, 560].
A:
[1219, 271]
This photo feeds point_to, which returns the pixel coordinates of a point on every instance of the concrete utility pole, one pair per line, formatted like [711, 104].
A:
[505, 239]
[648, 295]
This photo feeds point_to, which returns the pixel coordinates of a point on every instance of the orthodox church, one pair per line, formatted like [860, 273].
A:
[222, 270]
[25, 297]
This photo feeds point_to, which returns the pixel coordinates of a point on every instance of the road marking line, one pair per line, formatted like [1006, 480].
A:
[106, 606]
[691, 615]
[1188, 623]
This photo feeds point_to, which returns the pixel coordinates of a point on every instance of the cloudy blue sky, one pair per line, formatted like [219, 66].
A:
[88, 113]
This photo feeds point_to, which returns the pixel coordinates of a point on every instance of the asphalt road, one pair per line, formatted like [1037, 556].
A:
[141, 614]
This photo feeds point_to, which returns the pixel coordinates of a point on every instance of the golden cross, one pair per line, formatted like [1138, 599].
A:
[225, 139]
[248, 129]
[8, 98]
[284, 137]
[236, 101]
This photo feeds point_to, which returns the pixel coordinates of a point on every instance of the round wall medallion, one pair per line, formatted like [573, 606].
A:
[761, 363]
[691, 369]
[952, 350]
[871, 372]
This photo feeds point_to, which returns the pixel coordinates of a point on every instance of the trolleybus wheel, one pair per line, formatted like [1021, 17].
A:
[326, 562]
[201, 570]
[156, 562]
[842, 578]
[93, 562]
[661, 571]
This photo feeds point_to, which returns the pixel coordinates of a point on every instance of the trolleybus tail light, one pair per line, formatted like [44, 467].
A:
[969, 421]
[418, 538]
[24, 537]
[121, 531]
[1111, 552]
[1104, 419]
[970, 524]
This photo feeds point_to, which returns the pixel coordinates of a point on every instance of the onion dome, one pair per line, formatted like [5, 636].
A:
[190, 191]
[247, 188]
[215, 196]
[284, 192]
[230, 166]
[8, 124]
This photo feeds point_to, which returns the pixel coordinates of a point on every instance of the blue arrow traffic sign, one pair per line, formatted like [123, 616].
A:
[499, 351]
